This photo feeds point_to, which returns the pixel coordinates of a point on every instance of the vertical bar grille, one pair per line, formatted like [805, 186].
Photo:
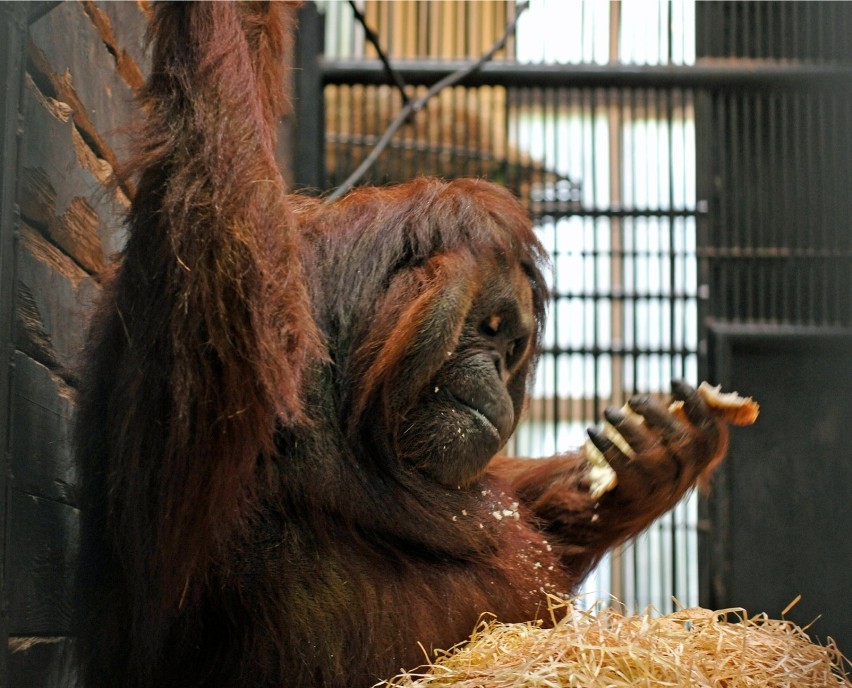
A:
[779, 249]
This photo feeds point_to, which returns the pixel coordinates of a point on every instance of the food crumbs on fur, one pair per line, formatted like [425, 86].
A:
[497, 515]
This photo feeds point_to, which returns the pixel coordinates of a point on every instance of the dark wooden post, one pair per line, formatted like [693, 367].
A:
[12, 32]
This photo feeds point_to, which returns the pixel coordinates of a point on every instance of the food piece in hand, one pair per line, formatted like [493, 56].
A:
[602, 478]
[729, 407]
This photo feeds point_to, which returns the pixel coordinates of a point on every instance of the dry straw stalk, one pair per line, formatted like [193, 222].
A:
[605, 648]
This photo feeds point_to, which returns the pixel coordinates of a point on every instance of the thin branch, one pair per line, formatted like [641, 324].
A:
[419, 104]
[374, 40]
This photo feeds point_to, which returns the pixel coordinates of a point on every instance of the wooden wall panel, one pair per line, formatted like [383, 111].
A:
[72, 73]
[39, 663]
[42, 410]
[12, 35]
[126, 23]
[61, 193]
[83, 73]
[43, 546]
[64, 177]
[49, 306]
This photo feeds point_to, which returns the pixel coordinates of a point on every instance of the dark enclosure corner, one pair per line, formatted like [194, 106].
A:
[772, 96]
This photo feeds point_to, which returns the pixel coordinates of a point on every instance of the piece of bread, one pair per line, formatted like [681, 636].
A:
[729, 406]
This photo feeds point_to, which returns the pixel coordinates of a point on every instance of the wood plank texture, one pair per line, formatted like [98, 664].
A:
[83, 74]
[63, 180]
[122, 27]
[39, 663]
[42, 410]
[51, 302]
[69, 92]
[12, 32]
[42, 551]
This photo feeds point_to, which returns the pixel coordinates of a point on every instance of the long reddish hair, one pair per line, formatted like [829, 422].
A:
[198, 348]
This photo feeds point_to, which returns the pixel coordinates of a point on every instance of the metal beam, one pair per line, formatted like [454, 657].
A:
[706, 74]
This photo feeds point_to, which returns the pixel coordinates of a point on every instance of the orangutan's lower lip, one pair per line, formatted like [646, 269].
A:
[476, 413]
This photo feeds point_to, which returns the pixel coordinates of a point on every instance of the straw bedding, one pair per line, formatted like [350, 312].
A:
[691, 647]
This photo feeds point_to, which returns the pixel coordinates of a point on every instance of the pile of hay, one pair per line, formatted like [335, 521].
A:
[691, 647]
